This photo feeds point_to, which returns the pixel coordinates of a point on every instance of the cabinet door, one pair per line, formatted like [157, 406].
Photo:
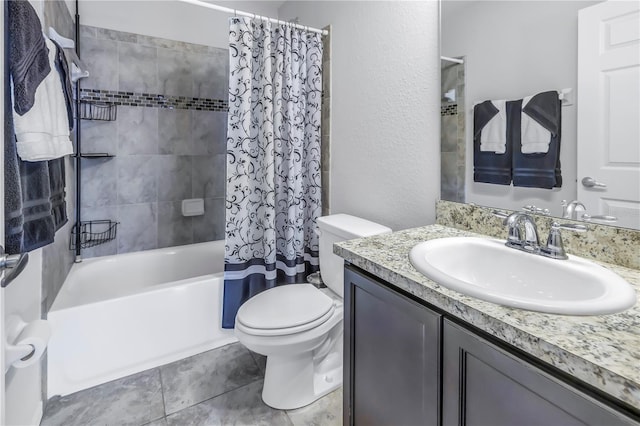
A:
[484, 385]
[391, 356]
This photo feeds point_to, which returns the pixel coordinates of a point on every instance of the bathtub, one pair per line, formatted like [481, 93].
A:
[119, 315]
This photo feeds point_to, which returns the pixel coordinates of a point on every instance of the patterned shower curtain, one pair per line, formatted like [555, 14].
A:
[273, 159]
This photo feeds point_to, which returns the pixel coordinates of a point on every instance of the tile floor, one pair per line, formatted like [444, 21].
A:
[218, 387]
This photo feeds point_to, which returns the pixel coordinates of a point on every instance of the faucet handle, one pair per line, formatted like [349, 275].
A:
[534, 209]
[555, 247]
[569, 227]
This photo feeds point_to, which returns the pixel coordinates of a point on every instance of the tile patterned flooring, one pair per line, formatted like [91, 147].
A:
[219, 387]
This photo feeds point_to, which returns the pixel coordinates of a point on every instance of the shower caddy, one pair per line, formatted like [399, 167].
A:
[85, 234]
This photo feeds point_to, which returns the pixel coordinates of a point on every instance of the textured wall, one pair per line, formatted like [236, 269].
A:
[169, 139]
[385, 92]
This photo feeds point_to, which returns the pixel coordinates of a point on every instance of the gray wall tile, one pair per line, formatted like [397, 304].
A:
[211, 74]
[208, 132]
[173, 228]
[174, 73]
[210, 226]
[137, 70]
[174, 131]
[138, 227]
[99, 136]
[174, 177]
[101, 57]
[137, 130]
[106, 34]
[137, 179]
[87, 31]
[209, 174]
[99, 182]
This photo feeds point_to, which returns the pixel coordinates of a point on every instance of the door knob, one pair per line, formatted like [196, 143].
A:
[590, 182]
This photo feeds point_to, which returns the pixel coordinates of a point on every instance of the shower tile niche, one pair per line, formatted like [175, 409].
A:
[169, 139]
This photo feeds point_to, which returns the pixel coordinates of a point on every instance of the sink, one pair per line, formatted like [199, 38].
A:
[488, 270]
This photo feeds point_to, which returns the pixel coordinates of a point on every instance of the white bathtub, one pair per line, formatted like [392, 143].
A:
[118, 315]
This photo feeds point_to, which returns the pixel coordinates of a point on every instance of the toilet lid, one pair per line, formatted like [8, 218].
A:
[285, 307]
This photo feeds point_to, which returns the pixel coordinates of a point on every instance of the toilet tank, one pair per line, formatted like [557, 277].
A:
[335, 228]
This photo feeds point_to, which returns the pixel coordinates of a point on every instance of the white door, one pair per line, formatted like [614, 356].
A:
[609, 110]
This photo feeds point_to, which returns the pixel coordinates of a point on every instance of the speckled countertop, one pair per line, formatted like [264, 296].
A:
[603, 351]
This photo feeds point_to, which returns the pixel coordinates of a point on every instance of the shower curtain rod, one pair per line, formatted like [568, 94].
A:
[251, 15]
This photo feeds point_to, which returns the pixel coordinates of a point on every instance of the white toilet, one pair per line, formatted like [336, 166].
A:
[299, 327]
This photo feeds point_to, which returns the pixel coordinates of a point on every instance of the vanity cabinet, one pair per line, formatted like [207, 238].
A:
[486, 385]
[392, 356]
[407, 364]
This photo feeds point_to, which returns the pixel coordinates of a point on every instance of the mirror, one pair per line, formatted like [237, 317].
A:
[508, 50]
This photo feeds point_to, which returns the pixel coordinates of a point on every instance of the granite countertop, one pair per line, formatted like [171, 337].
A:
[603, 351]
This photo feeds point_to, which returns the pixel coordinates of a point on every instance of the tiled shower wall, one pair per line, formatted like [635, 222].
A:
[452, 134]
[169, 139]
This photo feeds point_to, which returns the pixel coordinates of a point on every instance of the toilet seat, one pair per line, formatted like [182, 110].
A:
[283, 310]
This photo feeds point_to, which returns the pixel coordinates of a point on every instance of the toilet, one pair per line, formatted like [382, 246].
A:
[299, 327]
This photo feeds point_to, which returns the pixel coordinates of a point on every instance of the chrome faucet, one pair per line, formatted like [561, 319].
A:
[570, 210]
[523, 232]
[523, 235]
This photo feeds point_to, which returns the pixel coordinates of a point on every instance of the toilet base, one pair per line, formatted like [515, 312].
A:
[295, 381]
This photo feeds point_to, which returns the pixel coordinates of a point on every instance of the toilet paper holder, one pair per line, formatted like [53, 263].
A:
[21, 355]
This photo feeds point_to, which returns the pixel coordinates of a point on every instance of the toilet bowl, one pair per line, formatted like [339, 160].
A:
[300, 327]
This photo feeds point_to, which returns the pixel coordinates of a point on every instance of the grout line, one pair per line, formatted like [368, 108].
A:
[164, 404]
[219, 395]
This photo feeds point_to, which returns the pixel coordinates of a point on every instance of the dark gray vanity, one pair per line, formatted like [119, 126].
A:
[418, 353]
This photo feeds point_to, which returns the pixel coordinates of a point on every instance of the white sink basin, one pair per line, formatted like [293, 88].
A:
[488, 270]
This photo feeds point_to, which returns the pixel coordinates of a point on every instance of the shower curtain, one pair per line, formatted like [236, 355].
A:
[273, 159]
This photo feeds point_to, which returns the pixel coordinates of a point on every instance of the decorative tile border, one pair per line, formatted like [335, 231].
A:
[154, 100]
[449, 109]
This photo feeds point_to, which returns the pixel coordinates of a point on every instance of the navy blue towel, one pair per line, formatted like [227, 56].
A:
[28, 53]
[541, 170]
[489, 167]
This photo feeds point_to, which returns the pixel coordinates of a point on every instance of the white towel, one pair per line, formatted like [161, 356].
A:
[493, 137]
[42, 133]
[534, 138]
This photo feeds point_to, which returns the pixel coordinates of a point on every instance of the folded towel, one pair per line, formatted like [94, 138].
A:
[42, 133]
[39, 227]
[58, 194]
[535, 138]
[489, 166]
[28, 54]
[539, 170]
[65, 79]
[493, 136]
[13, 219]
